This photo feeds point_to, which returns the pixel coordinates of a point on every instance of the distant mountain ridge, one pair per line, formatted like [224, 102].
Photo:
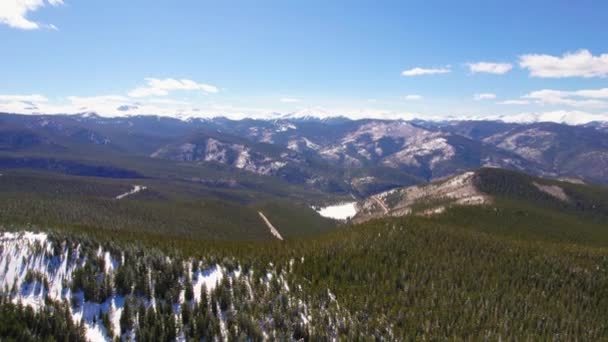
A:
[337, 155]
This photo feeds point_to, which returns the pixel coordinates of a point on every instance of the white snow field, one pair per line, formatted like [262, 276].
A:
[341, 211]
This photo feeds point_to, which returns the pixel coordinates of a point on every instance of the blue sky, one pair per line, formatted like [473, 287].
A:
[389, 59]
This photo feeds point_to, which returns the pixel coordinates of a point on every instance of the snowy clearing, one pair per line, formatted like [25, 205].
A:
[25, 252]
[28, 252]
[35, 267]
[553, 190]
[210, 278]
[136, 189]
[341, 211]
[273, 230]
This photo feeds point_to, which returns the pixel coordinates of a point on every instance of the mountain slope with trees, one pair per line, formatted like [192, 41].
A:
[527, 265]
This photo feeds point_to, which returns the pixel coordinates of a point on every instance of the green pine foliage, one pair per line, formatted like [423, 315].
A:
[168, 207]
[52, 323]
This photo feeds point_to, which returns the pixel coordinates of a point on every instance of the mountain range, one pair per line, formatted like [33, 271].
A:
[333, 155]
[163, 229]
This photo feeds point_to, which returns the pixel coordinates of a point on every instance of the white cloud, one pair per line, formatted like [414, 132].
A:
[92, 102]
[413, 97]
[593, 93]
[107, 105]
[514, 102]
[118, 105]
[490, 68]
[423, 71]
[22, 98]
[146, 91]
[23, 103]
[167, 101]
[587, 98]
[14, 13]
[162, 87]
[289, 100]
[572, 64]
[584, 98]
[484, 96]
[139, 101]
[33, 103]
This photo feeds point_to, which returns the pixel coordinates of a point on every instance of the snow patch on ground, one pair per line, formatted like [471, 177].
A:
[553, 190]
[136, 189]
[341, 211]
[210, 278]
[432, 211]
[300, 143]
[284, 127]
[572, 180]
[26, 252]
[54, 262]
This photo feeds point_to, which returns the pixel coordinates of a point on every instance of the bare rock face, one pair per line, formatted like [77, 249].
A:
[530, 144]
[428, 199]
[392, 144]
[212, 150]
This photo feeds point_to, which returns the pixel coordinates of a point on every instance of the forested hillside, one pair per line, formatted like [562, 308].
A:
[227, 210]
[458, 274]
[102, 259]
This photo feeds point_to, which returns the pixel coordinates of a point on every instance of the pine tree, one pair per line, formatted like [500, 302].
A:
[189, 291]
[126, 317]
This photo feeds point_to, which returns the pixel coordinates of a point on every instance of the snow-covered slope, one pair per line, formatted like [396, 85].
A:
[33, 268]
[107, 287]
